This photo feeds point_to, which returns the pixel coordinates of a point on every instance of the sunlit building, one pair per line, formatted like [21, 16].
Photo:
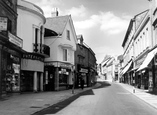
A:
[30, 28]
[59, 67]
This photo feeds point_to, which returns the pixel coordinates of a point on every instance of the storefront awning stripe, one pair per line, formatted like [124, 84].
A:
[127, 67]
[148, 59]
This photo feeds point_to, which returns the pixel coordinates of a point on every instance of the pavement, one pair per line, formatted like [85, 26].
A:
[29, 103]
[144, 95]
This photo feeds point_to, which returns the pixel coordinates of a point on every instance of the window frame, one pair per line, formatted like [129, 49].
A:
[65, 54]
[68, 34]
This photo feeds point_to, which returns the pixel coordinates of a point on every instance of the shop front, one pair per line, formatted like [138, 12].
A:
[81, 74]
[149, 70]
[141, 77]
[32, 69]
[126, 74]
[58, 76]
[10, 63]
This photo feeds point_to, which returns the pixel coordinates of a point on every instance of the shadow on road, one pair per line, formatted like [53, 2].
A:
[103, 84]
[60, 105]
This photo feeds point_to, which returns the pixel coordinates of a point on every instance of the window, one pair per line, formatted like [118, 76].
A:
[65, 55]
[9, 25]
[68, 34]
[36, 35]
[9, 3]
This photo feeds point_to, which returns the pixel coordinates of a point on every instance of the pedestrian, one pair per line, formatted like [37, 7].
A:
[82, 83]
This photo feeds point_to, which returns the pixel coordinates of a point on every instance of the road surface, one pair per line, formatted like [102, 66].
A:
[111, 99]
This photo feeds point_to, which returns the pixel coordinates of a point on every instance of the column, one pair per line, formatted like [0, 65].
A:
[35, 82]
[41, 82]
[56, 78]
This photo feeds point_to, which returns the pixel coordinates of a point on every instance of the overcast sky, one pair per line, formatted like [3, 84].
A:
[103, 23]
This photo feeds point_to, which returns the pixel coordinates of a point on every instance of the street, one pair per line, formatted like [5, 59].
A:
[106, 100]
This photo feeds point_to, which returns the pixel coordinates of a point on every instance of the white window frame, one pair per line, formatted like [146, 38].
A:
[65, 54]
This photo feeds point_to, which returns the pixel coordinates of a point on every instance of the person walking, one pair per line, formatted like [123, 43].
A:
[82, 83]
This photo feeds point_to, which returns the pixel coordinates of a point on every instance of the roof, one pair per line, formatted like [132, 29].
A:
[57, 23]
[138, 20]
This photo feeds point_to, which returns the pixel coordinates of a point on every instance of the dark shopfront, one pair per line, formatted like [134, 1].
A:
[142, 79]
[58, 76]
[82, 74]
[10, 63]
[9, 69]
[49, 79]
[141, 76]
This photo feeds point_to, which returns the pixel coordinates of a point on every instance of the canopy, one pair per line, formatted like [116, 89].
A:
[148, 59]
[126, 67]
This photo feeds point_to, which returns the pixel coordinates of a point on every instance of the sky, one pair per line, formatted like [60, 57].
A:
[103, 23]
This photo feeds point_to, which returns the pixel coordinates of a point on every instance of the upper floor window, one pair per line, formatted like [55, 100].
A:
[36, 35]
[9, 3]
[68, 34]
[65, 54]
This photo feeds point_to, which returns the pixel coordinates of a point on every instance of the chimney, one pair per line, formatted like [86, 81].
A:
[55, 13]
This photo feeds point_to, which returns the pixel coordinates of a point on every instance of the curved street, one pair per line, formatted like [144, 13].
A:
[108, 100]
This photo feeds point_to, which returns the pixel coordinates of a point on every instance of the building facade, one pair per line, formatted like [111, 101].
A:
[59, 67]
[85, 64]
[140, 41]
[30, 28]
[10, 48]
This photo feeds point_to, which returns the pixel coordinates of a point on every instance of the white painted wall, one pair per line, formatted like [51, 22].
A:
[29, 17]
[56, 45]
[143, 40]
[26, 21]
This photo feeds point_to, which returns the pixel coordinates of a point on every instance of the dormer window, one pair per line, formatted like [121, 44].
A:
[68, 34]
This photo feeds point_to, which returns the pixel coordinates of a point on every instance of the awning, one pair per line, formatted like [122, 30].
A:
[148, 59]
[127, 67]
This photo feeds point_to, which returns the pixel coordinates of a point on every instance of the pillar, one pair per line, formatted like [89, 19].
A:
[35, 82]
[57, 79]
[41, 82]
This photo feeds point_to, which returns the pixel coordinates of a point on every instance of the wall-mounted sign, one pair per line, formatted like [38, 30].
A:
[84, 70]
[15, 40]
[3, 23]
[32, 57]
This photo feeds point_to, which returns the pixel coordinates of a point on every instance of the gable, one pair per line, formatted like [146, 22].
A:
[73, 39]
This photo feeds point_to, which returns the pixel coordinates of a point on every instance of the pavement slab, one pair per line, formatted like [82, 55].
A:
[142, 94]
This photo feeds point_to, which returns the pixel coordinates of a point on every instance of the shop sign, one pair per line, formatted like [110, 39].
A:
[33, 57]
[3, 23]
[15, 40]
[83, 70]
[140, 61]
[63, 71]
[64, 65]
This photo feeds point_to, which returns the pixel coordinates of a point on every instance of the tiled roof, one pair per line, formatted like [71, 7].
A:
[57, 23]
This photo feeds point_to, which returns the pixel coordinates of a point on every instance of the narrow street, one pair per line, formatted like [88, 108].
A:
[106, 100]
